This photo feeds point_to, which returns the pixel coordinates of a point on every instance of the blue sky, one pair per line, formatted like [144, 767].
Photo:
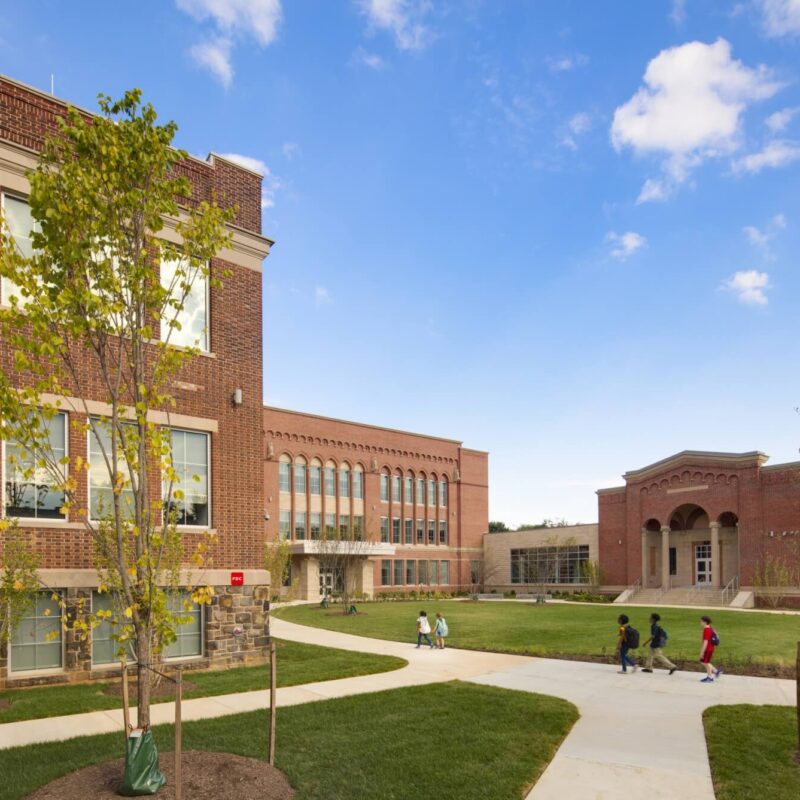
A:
[564, 232]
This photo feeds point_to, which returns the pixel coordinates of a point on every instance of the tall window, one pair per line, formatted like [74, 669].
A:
[420, 531]
[411, 572]
[396, 530]
[442, 532]
[300, 477]
[188, 641]
[330, 523]
[36, 640]
[433, 572]
[444, 572]
[284, 476]
[384, 488]
[344, 524]
[385, 530]
[420, 491]
[105, 648]
[557, 564]
[316, 522]
[285, 525]
[20, 224]
[358, 528]
[431, 493]
[422, 572]
[315, 479]
[299, 524]
[190, 462]
[431, 531]
[396, 488]
[409, 530]
[386, 572]
[408, 486]
[443, 494]
[101, 496]
[191, 329]
[344, 482]
[358, 484]
[330, 481]
[32, 490]
[398, 572]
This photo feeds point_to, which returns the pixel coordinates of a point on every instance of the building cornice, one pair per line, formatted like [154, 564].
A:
[701, 458]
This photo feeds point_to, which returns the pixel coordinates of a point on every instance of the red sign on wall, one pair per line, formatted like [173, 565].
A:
[237, 578]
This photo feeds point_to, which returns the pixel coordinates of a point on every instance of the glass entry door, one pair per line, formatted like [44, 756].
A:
[702, 561]
[325, 582]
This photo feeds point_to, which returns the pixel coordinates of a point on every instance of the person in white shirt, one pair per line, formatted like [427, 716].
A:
[423, 630]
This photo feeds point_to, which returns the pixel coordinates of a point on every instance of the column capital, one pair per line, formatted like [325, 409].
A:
[665, 529]
[714, 525]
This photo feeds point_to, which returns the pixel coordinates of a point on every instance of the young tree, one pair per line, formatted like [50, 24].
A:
[96, 297]
[19, 580]
[342, 552]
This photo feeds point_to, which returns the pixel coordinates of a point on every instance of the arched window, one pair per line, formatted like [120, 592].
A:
[396, 487]
[384, 486]
[358, 482]
[443, 493]
[285, 473]
[315, 477]
[421, 490]
[299, 475]
[330, 479]
[432, 490]
[408, 489]
[344, 480]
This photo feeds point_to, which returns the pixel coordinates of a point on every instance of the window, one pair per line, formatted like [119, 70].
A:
[284, 478]
[433, 573]
[396, 488]
[100, 493]
[20, 223]
[556, 564]
[330, 481]
[300, 478]
[420, 491]
[285, 526]
[316, 523]
[358, 528]
[191, 329]
[386, 572]
[443, 494]
[408, 485]
[358, 484]
[398, 572]
[384, 488]
[396, 530]
[190, 462]
[444, 572]
[36, 640]
[409, 530]
[330, 523]
[422, 569]
[442, 532]
[344, 482]
[431, 493]
[385, 530]
[411, 572]
[188, 641]
[673, 561]
[105, 649]
[344, 524]
[431, 531]
[420, 531]
[31, 490]
[315, 479]
[299, 524]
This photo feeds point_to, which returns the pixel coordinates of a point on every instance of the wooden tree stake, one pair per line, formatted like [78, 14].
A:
[272, 703]
[178, 742]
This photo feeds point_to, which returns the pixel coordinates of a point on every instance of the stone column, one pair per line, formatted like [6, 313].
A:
[665, 557]
[645, 571]
[715, 559]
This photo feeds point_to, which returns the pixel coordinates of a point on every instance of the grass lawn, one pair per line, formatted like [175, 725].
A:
[568, 629]
[751, 750]
[451, 741]
[297, 663]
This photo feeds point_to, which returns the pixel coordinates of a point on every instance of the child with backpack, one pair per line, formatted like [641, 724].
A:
[627, 639]
[423, 630]
[657, 641]
[710, 641]
[441, 630]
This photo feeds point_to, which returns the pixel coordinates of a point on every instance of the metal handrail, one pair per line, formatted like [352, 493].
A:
[730, 591]
[634, 588]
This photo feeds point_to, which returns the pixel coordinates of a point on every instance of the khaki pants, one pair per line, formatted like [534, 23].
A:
[658, 653]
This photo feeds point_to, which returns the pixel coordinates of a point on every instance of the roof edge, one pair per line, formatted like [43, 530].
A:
[708, 456]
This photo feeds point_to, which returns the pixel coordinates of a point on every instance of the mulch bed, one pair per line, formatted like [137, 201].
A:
[164, 689]
[215, 776]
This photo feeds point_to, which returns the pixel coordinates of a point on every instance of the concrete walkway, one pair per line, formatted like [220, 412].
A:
[638, 735]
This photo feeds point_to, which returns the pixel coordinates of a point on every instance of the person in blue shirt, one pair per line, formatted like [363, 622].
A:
[657, 642]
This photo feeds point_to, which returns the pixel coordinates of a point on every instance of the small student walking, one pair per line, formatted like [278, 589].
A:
[423, 630]
[627, 639]
[710, 641]
[441, 630]
[657, 641]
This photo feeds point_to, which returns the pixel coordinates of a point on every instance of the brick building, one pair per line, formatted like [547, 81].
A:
[216, 426]
[420, 501]
[701, 519]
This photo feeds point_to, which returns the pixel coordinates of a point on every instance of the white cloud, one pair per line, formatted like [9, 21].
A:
[624, 245]
[231, 20]
[290, 150]
[322, 296]
[580, 123]
[761, 238]
[777, 153]
[403, 18]
[566, 63]
[678, 12]
[269, 184]
[781, 17]
[749, 286]
[689, 109]
[216, 58]
[371, 60]
[653, 191]
[780, 120]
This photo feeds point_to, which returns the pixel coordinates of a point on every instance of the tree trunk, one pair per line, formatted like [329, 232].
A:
[143, 675]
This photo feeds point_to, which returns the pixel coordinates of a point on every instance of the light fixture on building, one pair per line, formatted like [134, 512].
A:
[237, 397]
[619, 541]
[270, 450]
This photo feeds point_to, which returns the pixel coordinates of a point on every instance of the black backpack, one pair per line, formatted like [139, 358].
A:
[714, 638]
[631, 636]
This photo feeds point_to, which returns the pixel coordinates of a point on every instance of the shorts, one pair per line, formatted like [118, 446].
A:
[707, 656]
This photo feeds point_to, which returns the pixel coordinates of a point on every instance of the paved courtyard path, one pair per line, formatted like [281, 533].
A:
[638, 735]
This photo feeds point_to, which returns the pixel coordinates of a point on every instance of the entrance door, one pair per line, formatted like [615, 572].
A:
[702, 561]
[325, 582]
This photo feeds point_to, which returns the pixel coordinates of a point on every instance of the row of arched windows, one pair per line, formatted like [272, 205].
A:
[413, 490]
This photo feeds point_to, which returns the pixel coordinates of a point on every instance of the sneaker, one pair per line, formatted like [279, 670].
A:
[622, 672]
[646, 670]
[706, 680]
[717, 672]
[672, 670]
[417, 647]
[634, 668]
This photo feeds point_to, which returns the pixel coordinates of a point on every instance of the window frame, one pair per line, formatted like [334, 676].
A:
[207, 327]
[193, 656]
[207, 434]
[60, 669]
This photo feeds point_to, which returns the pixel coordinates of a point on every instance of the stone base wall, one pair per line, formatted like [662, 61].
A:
[235, 633]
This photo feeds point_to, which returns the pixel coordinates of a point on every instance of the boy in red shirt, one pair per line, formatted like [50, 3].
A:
[710, 641]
